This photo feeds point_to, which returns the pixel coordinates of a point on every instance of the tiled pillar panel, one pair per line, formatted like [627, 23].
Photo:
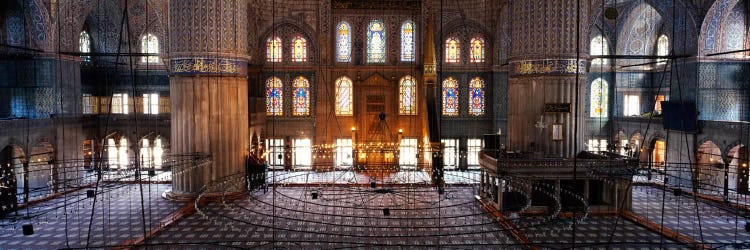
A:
[544, 65]
[208, 88]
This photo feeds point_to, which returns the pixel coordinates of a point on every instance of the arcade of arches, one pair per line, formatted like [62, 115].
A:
[374, 124]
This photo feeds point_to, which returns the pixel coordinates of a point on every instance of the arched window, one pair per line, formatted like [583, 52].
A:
[344, 91]
[376, 42]
[476, 54]
[150, 44]
[450, 97]
[273, 49]
[599, 47]
[407, 41]
[476, 97]
[344, 43]
[274, 97]
[662, 47]
[299, 49]
[84, 44]
[599, 98]
[407, 101]
[452, 50]
[301, 102]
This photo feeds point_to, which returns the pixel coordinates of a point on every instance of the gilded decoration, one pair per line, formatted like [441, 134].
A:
[548, 67]
[211, 66]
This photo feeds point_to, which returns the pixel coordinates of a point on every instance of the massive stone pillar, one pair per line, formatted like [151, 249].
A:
[543, 73]
[208, 89]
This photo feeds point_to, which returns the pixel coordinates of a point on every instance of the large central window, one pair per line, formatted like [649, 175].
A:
[376, 42]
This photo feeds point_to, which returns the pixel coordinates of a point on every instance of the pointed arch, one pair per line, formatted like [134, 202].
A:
[407, 101]
[343, 42]
[344, 93]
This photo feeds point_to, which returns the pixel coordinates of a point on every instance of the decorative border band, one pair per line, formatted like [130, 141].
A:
[547, 67]
[207, 66]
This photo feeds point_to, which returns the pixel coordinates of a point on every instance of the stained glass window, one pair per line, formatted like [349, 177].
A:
[274, 97]
[301, 102]
[273, 49]
[476, 54]
[476, 97]
[344, 43]
[407, 104]
[376, 42]
[344, 89]
[150, 44]
[299, 49]
[599, 47]
[599, 98]
[407, 41]
[84, 44]
[452, 50]
[450, 97]
[662, 47]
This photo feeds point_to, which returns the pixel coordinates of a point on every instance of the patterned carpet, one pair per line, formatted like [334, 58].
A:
[118, 217]
[344, 218]
[356, 216]
[714, 226]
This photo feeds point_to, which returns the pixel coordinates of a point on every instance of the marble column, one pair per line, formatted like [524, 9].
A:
[209, 90]
[544, 68]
